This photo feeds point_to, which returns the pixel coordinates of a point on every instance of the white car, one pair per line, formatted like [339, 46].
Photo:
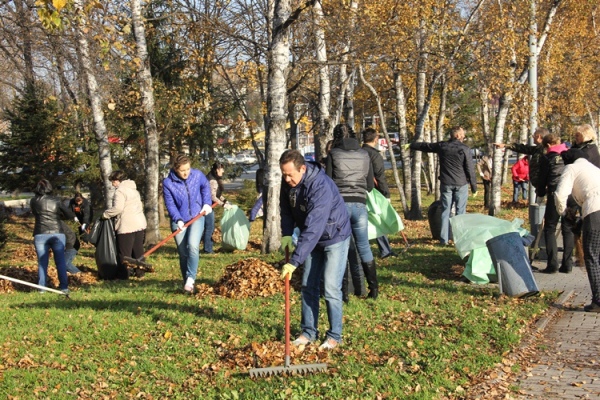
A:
[245, 159]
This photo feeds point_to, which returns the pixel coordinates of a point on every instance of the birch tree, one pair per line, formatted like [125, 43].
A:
[151, 131]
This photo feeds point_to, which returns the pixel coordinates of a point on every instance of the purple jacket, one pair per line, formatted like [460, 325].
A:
[184, 198]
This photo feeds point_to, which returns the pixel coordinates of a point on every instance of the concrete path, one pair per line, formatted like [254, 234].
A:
[568, 362]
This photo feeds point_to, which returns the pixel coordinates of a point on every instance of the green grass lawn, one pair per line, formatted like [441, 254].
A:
[428, 335]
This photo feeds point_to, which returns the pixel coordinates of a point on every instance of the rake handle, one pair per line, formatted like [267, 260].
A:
[287, 311]
[174, 233]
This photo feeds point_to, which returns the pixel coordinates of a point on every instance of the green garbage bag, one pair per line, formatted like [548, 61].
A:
[471, 232]
[383, 219]
[235, 229]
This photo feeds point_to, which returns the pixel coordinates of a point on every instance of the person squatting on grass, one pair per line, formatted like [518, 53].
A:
[456, 173]
[48, 210]
[186, 192]
[80, 206]
[310, 200]
[350, 168]
[130, 222]
[580, 179]
[216, 191]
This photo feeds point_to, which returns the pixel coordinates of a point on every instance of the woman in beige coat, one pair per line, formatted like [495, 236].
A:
[130, 222]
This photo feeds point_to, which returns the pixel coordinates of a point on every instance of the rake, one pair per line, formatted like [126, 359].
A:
[141, 262]
[46, 289]
[287, 369]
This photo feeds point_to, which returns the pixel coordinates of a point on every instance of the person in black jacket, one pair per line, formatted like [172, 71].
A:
[369, 137]
[47, 233]
[350, 168]
[456, 173]
[571, 222]
[80, 206]
[536, 151]
[551, 168]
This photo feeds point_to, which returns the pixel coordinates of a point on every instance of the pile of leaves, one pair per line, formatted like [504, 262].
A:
[246, 279]
[261, 355]
[30, 274]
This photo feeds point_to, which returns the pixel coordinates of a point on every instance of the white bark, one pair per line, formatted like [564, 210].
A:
[278, 63]
[325, 132]
[100, 131]
[151, 131]
[385, 134]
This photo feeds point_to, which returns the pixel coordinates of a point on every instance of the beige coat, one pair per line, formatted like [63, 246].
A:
[127, 209]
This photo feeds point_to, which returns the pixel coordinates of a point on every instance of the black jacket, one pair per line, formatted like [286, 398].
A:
[350, 168]
[551, 168]
[537, 153]
[591, 151]
[378, 170]
[48, 211]
[456, 163]
[83, 212]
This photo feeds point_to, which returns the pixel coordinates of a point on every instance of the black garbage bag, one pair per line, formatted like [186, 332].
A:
[104, 238]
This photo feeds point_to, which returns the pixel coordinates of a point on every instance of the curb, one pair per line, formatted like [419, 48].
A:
[543, 322]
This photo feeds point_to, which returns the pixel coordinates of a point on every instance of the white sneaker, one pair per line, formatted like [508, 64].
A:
[189, 285]
[301, 341]
[328, 344]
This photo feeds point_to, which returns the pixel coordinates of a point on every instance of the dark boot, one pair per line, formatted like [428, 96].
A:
[371, 275]
[345, 298]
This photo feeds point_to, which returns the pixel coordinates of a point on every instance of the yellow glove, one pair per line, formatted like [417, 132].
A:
[406, 147]
[287, 270]
[287, 241]
[475, 193]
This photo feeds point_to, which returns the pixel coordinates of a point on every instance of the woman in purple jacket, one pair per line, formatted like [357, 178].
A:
[187, 193]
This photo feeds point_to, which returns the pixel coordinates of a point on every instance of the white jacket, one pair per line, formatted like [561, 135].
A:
[582, 180]
[127, 208]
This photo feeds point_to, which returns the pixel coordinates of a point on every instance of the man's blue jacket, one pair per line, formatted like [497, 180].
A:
[316, 207]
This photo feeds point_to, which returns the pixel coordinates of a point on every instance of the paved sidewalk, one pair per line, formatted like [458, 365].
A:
[568, 366]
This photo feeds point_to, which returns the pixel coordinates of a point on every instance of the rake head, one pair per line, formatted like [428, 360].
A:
[286, 371]
[138, 263]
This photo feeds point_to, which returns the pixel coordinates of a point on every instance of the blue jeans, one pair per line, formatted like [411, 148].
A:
[329, 263]
[519, 186]
[69, 257]
[384, 246]
[43, 243]
[359, 221]
[188, 247]
[209, 229]
[452, 195]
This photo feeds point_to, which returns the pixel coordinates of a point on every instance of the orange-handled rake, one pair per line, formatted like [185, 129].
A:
[287, 369]
[140, 262]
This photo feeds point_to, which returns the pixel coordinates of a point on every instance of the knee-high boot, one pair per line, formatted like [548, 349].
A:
[371, 275]
[345, 283]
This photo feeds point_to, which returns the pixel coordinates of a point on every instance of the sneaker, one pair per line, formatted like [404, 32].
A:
[592, 307]
[65, 291]
[549, 270]
[328, 344]
[301, 341]
[188, 288]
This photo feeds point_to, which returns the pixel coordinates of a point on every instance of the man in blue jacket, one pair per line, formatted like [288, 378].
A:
[456, 174]
[311, 201]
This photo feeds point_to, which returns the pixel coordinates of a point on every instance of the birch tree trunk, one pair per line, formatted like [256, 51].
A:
[484, 94]
[278, 62]
[324, 84]
[503, 108]
[104, 156]
[403, 136]
[151, 131]
[385, 134]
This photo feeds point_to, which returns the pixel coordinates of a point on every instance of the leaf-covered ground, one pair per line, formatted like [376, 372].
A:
[428, 335]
